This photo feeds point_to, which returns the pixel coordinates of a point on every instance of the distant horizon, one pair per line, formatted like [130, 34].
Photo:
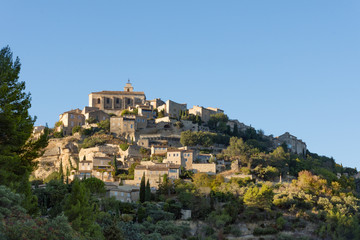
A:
[277, 66]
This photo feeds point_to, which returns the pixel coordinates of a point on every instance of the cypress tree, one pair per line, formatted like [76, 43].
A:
[147, 192]
[115, 165]
[61, 171]
[142, 189]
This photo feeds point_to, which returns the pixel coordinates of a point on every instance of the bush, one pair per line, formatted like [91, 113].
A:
[52, 176]
[92, 142]
[91, 120]
[76, 129]
[264, 231]
[124, 146]
[104, 125]
[58, 134]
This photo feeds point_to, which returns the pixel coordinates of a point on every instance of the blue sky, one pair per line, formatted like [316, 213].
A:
[277, 65]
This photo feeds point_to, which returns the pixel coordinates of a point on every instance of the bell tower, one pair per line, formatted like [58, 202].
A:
[128, 87]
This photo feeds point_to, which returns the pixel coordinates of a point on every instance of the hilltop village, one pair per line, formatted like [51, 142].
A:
[150, 137]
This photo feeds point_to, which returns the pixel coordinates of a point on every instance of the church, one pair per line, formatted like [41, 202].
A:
[116, 101]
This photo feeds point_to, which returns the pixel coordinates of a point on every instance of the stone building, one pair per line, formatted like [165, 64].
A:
[172, 109]
[154, 172]
[158, 150]
[155, 103]
[127, 125]
[125, 193]
[209, 168]
[68, 120]
[116, 101]
[99, 167]
[295, 145]
[181, 157]
[95, 113]
[204, 113]
[37, 132]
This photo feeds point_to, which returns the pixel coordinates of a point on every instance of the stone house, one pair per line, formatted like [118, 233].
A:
[158, 150]
[69, 120]
[99, 167]
[209, 168]
[172, 109]
[155, 103]
[154, 172]
[116, 101]
[241, 126]
[204, 113]
[146, 111]
[295, 145]
[125, 193]
[180, 157]
[95, 113]
[127, 125]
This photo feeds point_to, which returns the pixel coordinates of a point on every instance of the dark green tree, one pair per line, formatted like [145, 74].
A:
[16, 124]
[142, 189]
[80, 213]
[147, 192]
[61, 171]
[115, 165]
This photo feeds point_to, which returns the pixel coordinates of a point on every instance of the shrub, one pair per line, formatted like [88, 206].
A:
[124, 146]
[92, 142]
[76, 129]
[58, 134]
[104, 125]
[91, 120]
[264, 231]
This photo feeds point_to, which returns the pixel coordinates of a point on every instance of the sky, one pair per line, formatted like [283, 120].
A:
[279, 66]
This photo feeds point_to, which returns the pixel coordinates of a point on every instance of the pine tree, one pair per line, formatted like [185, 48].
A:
[235, 132]
[147, 192]
[142, 189]
[16, 124]
[79, 211]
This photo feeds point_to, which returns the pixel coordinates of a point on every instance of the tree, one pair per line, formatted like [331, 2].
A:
[61, 171]
[16, 124]
[142, 189]
[147, 192]
[115, 165]
[259, 198]
[79, 211]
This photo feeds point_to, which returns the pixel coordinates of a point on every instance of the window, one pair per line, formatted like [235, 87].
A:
[83, 164]
[72, 124]
[117, 101]
[88, 164]
[129, 100]
[131, 126]
[116, 193]
[122, 194]
[71, 116]
[169, 154]
[128, 194]
[174, 154]
[98, 100]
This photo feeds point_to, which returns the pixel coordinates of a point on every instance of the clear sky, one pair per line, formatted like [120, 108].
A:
[277, 65]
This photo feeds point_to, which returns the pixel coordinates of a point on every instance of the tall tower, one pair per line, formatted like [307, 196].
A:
[128, 87]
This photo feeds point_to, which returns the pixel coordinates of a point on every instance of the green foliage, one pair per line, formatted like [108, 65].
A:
[58, 134]
[79, 211]
[58, 124]
[264, 231]
[92, 142]
[218, 122]
[91, 120]
[260, 198]
[52, 176]
[128, 112]
[147, 191]
[205, 139]
[142, 189]
[124, 146]
[95, 186]
[76, 129]
[104, 125]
